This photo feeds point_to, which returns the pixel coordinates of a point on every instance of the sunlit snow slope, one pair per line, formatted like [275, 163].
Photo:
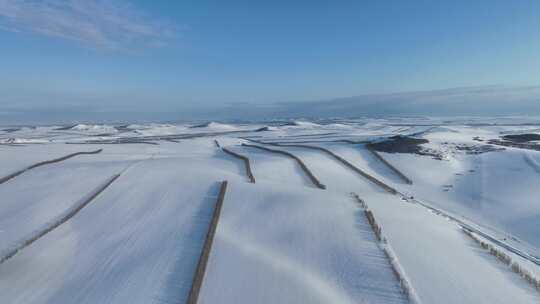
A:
[126, 221]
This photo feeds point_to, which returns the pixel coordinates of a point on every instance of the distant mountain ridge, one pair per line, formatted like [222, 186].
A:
[490, 100]
[465, 101]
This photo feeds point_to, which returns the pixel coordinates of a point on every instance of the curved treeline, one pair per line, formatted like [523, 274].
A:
[389, 165]
[56, 223]
[200, 271]
[245, 159]
[43, 163]
[308, 172]
[349, 165]
[406, 286]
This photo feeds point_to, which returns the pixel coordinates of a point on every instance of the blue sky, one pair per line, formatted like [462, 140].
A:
[149, 54]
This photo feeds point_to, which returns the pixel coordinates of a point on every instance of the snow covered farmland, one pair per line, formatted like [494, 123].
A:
[341, 211]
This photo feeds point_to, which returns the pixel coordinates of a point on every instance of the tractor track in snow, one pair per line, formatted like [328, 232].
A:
[43, 163]
[531, 162]
[471, 228]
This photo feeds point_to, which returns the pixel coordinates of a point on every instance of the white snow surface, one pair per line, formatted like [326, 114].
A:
[292, 245]
[280, 240]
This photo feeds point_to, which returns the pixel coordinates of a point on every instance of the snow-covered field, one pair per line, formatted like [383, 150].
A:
[69, 235]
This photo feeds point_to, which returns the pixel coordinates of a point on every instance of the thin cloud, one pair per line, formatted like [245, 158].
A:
[98, 24]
